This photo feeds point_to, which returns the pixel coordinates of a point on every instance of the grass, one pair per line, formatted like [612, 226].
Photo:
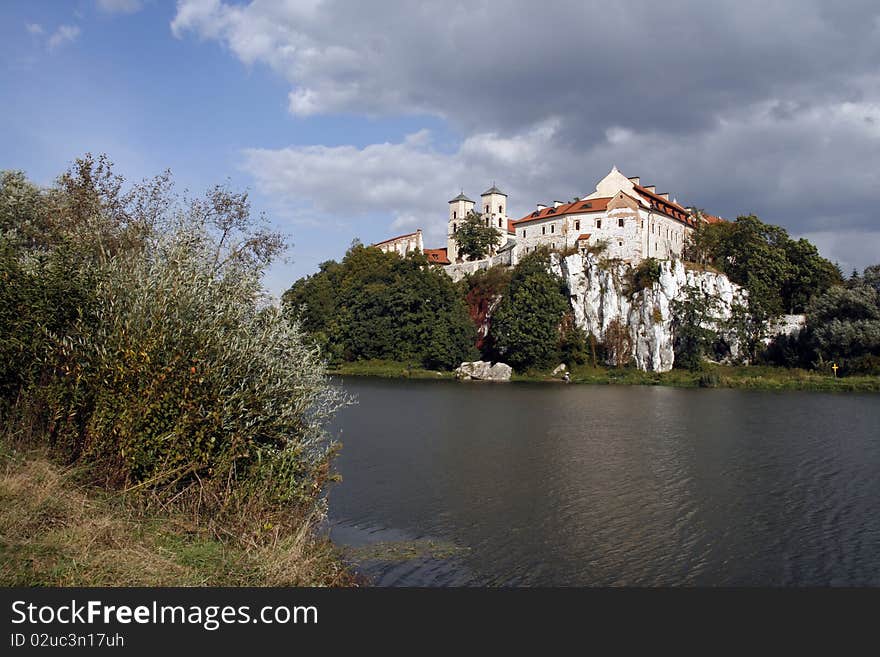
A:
[388, 369]
[56, 532]
[756, 377]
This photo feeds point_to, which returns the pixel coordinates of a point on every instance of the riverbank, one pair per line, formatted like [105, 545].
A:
[56, 532]
[720, 376]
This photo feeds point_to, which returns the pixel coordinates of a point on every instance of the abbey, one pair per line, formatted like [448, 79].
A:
[629, 220]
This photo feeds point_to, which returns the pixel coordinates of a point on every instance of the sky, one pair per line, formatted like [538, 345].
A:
[362, 119]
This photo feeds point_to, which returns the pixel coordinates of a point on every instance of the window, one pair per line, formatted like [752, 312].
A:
[487, 208]
[552, 228]
[500, 209]
[487, 221]
[543, 230]
[620, 223]
[499, 222]
[620, 244]
[577, 224]
[524, 232]
[454, 227]
[454, 215]
[598, 223]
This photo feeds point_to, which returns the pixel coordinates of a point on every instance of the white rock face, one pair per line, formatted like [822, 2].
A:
[483, 371]
[598, 298]
[785, 325]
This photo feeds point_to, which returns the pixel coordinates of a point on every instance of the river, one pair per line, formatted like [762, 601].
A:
[449, 484]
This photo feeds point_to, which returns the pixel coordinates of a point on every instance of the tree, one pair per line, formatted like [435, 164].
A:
[474, 238]
[617, 344]
[483, 291]
[780, 274]
[808, 274]
[573, 348]
[376, 305]
[525, 328]
[693, 330]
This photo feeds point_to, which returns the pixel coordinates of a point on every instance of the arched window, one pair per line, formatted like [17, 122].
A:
[499, 222]
[454, 214]
[500, 209]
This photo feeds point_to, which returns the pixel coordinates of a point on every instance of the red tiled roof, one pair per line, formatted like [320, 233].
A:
[670, 208]
[437, 256]
[582, 206]
[712, 219]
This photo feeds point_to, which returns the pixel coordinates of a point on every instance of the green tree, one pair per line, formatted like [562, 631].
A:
[693, 330]
[808, 274]
[475, 239]
[376, 305]
[525, 327]
[780, 274]
[483, 291]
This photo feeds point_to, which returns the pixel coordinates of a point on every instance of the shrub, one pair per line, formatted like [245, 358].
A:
[573, 348]
[708, 380]
[618, 345]
[643, 276]
[135, 337]
[190, 386]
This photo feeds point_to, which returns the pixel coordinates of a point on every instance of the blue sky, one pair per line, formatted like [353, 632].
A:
[362, 119]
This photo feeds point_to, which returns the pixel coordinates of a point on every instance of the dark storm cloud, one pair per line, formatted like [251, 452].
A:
[771, 107]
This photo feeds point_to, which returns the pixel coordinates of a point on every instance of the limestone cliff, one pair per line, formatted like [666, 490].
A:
[599, 296]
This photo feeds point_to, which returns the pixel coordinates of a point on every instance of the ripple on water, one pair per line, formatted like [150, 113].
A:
[605, 485]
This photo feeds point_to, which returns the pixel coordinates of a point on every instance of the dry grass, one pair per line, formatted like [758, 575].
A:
[54, 532]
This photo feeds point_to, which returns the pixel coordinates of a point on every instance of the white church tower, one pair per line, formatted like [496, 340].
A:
[493, 210]
[459, 207]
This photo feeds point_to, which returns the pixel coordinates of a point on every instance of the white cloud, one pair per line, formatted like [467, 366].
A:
[734, 106]
[34, 28]
[64, 34]
[120, 6]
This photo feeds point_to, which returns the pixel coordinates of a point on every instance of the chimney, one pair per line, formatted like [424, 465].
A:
[635, 180]
[541, 206]
[651, 188]
[664, 196]
[556, 204]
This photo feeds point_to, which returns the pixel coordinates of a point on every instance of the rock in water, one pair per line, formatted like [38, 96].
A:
[481, 370]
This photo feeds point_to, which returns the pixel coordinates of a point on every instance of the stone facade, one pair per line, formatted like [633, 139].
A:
[402, 244]
[632, 221]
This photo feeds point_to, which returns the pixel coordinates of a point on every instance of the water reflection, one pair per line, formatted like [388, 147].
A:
[591, 485]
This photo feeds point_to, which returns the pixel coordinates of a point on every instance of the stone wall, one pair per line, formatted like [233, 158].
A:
[458, 270]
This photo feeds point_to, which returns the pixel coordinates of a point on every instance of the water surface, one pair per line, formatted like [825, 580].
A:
[542, 484]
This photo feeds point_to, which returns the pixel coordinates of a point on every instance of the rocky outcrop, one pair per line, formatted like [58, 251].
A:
[599, 297]
[481, 370]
